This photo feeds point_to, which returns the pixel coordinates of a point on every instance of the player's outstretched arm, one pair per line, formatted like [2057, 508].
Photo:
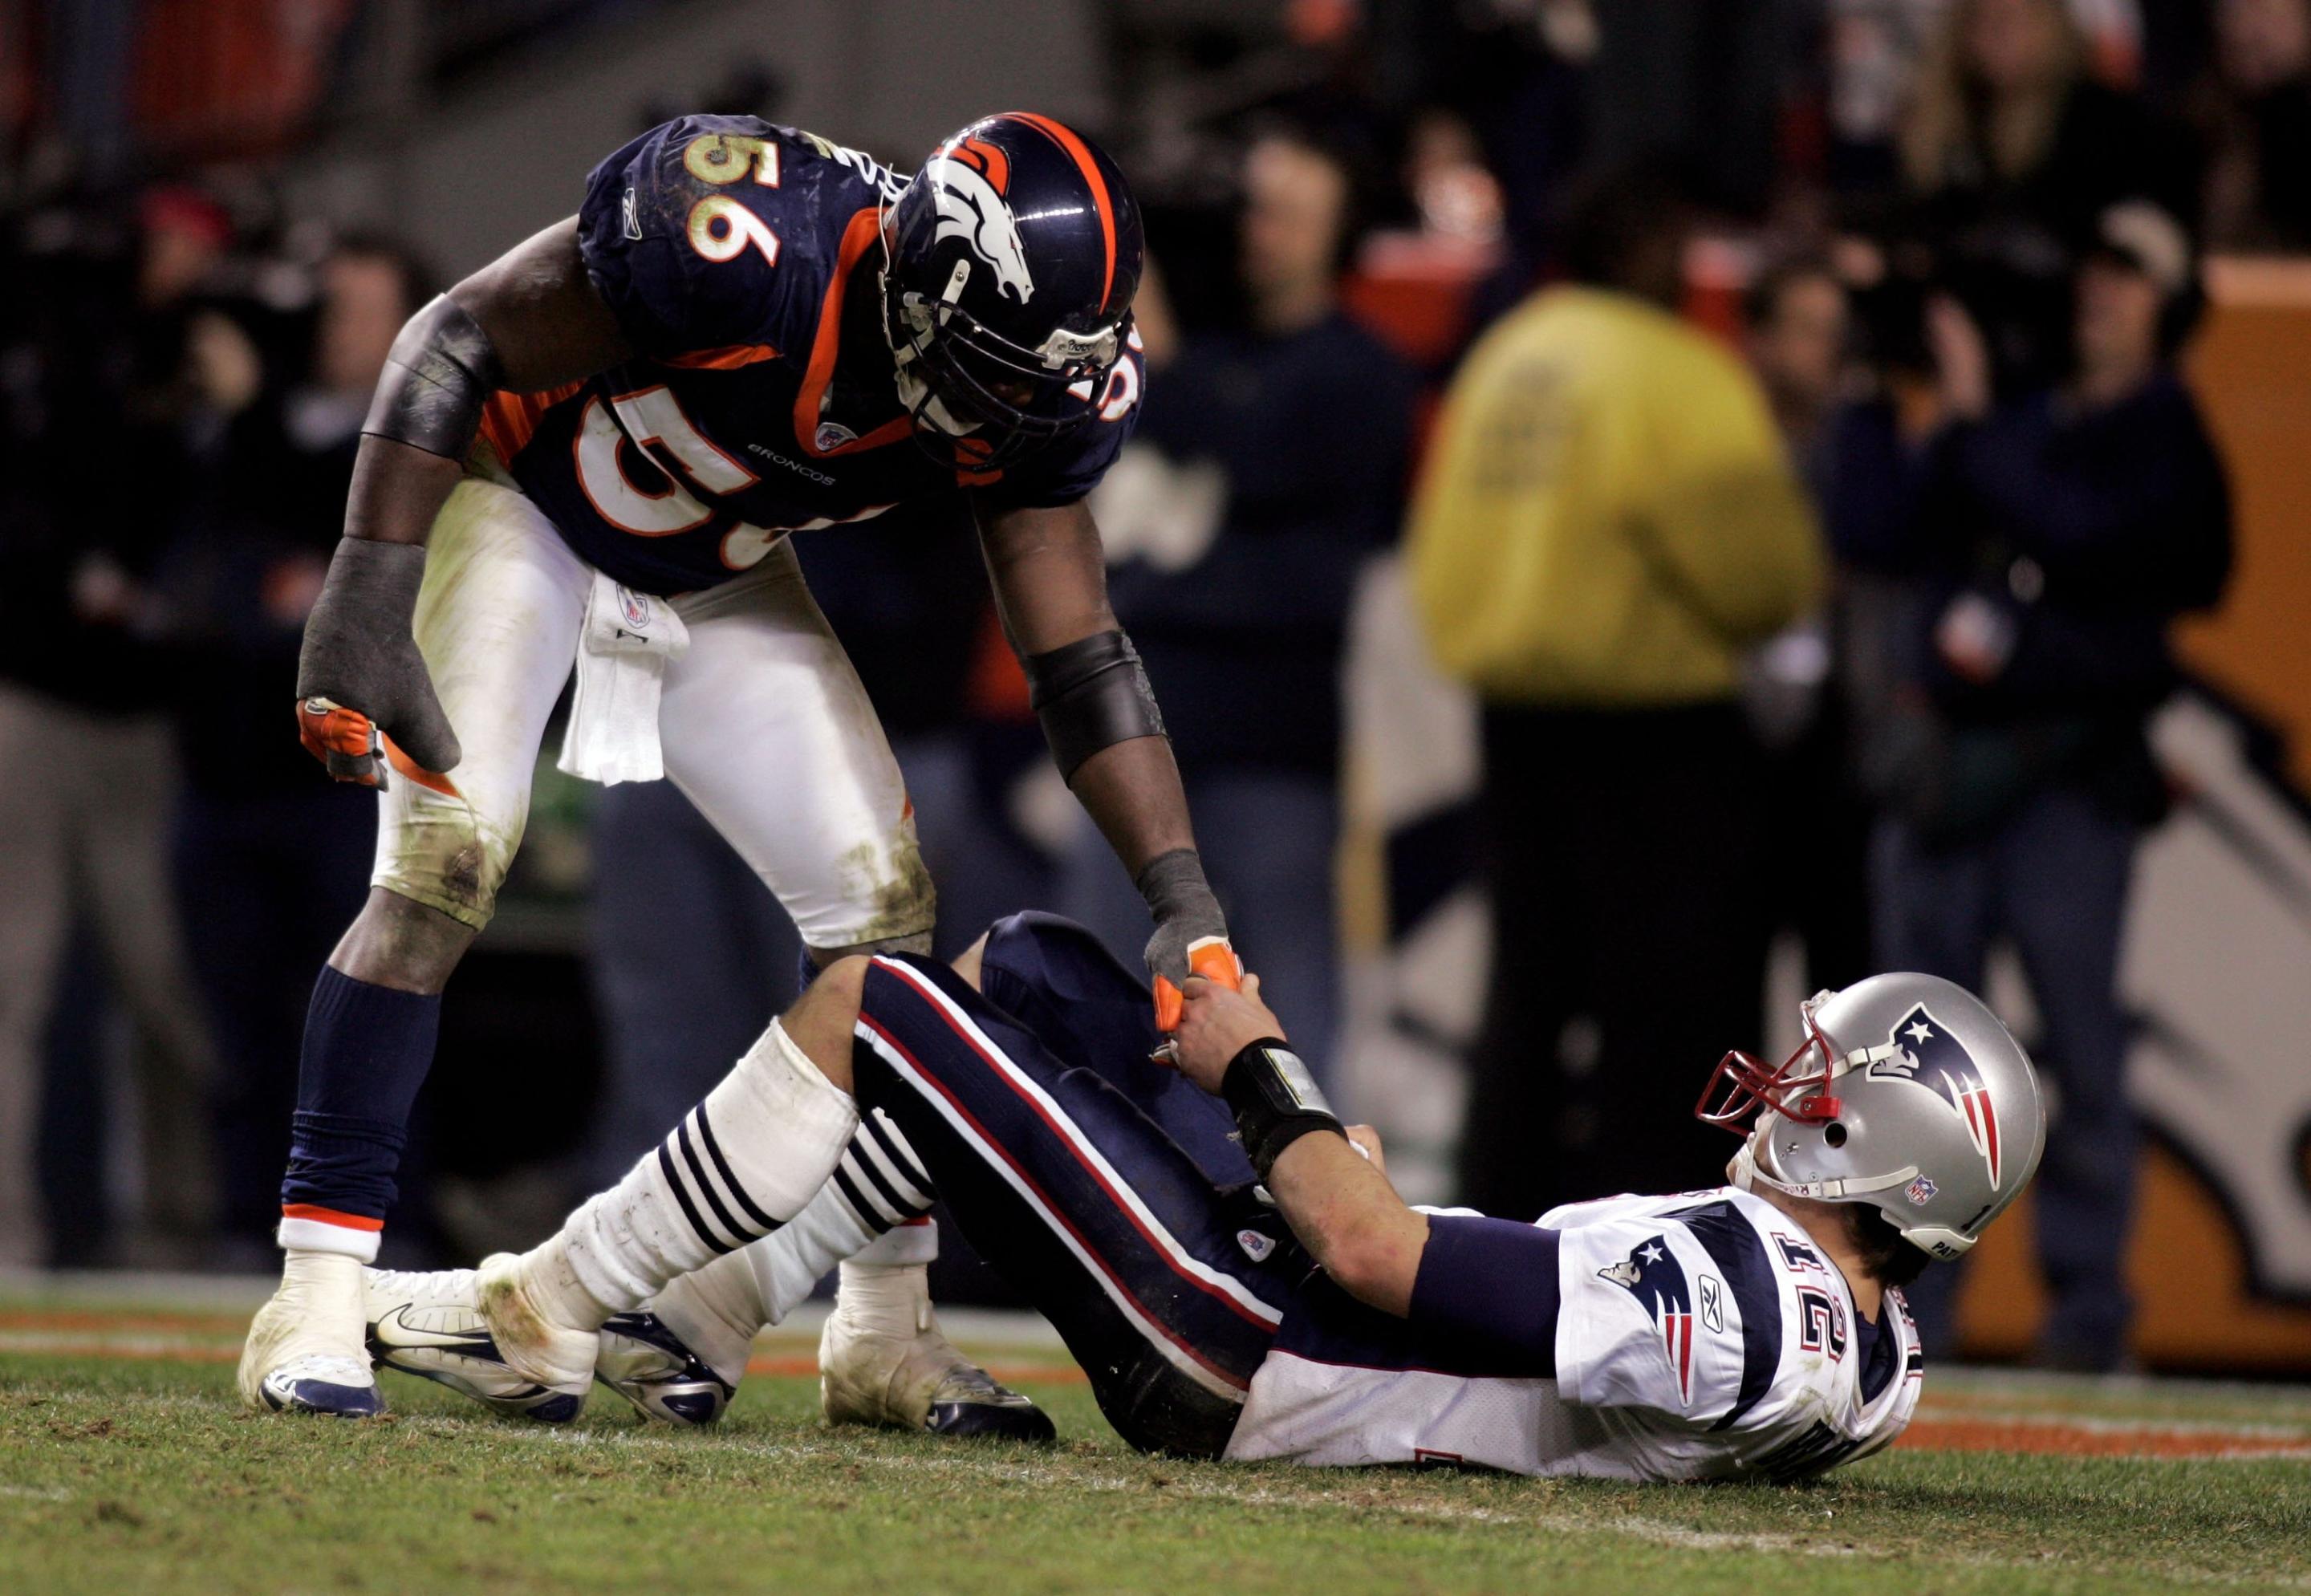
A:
[1099, 714]
[1338, 1202]
[530, 319]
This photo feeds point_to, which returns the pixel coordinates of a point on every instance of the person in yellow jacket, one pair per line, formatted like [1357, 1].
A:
[1608, 521]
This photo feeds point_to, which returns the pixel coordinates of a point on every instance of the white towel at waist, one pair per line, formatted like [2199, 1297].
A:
[623, 651]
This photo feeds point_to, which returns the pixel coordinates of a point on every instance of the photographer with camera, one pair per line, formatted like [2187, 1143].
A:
[2011, 149]
[2013, 569]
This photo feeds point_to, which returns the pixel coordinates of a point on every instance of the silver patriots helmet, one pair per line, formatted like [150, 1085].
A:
[1906, 1095]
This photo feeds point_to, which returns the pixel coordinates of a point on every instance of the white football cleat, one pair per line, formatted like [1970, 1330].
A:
[646, 1362]
[304, 1351]
[883, 1361]
[529, 1340]
[431, 1325]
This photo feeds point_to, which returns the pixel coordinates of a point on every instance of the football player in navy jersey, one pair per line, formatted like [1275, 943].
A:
[592, 450]
[1237, 1281]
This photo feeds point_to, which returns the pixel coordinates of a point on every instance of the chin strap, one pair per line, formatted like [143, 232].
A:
[1744, 1172]
[1936, 1242]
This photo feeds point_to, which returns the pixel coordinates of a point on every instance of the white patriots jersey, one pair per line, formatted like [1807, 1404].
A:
[1701, 1336]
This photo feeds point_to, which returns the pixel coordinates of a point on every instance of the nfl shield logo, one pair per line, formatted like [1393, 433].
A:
[1921, 1192]
[831, 436]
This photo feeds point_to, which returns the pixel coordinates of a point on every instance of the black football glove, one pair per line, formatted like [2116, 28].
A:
[1191, 933]
[360, 677]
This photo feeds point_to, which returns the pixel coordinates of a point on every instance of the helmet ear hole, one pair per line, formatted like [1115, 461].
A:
[1834, 1133]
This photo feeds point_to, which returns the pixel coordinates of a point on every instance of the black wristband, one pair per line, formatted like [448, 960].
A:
[1174, 887]
[442, 370]
[1090, 694]
[1274, 1102]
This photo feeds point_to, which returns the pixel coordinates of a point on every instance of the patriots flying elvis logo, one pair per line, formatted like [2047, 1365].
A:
[1921, 1050]
[1652, 1274]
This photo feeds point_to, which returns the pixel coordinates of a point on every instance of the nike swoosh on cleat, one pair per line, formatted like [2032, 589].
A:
[395, 1332]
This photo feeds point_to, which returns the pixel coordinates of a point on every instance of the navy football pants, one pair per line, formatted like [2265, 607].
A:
[1103, 1185]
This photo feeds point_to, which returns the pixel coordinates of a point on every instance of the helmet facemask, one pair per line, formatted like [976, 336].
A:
[1797, 1094]
[1743, 1084]
[978, 400]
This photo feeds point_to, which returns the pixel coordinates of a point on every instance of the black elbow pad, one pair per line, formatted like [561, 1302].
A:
[442, 370]
[1090, 694]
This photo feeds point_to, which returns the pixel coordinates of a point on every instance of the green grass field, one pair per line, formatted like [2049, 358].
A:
[132, 1468]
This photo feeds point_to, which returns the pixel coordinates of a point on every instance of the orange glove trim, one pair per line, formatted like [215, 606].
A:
[326, 728]
[1216, 962]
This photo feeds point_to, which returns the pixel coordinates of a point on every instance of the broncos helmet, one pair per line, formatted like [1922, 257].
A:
[1009, 264]
[1906, 1095]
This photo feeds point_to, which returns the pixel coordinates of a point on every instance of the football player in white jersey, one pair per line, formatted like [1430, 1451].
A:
[1233, 1271]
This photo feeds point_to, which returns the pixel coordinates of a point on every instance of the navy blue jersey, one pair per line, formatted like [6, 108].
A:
[726, 247]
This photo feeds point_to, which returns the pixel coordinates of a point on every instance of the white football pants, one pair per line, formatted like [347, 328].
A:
[762, 722]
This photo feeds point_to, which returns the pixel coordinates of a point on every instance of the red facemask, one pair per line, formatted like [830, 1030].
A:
[1741, 1084]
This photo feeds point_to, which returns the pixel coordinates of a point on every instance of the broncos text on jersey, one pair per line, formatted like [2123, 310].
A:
[730, 250]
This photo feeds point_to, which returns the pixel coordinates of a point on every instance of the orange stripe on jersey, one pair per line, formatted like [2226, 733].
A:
[416, 772]
[1067, 140]
[857, 235]
[722, 359]
[969, 453]
[509, 420]
[306, 1210]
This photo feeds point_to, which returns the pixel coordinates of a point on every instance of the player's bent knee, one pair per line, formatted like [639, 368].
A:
[398, 942]
[451, 856]
[845, 982]
[822, 1019]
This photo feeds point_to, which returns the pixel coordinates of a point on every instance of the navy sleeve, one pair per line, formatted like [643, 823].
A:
[682, 240]
[1487, 1296]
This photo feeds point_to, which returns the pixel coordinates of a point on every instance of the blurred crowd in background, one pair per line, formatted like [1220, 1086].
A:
[1805, 487]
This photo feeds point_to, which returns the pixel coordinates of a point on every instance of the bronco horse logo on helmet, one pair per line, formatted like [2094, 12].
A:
[968, 180]
[1014, 208]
